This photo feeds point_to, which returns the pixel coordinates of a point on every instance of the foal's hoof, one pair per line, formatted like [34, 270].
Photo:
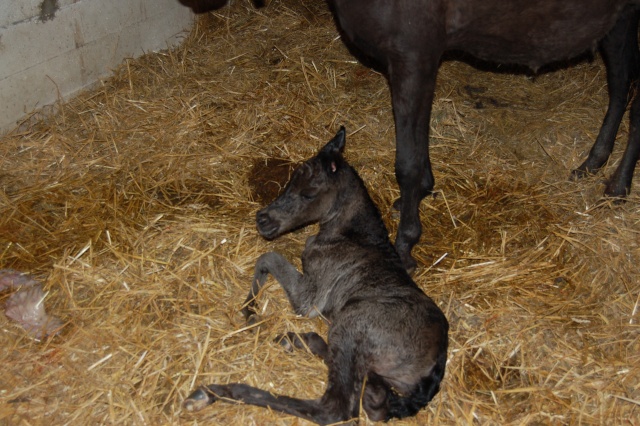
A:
[251, 317]
[252, 320]
[411, 269]
[198, 400]
[287, 341]
[409, 263]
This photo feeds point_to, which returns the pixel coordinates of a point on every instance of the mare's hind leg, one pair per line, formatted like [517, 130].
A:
[620, 52]
[619, 185]
[311, 341]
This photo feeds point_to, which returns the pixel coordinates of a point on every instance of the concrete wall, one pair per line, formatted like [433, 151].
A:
[56, 48]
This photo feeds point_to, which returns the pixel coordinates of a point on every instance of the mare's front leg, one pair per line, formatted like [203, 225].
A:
[285, 273]
[412, 80]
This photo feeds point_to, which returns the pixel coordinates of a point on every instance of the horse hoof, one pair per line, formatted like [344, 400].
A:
[576, 175]
[284, 341]
[616, 192]
[409, 264]
[197, 400]
[252, 320]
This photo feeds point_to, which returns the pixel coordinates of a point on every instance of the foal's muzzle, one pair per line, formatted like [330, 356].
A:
[267, 226]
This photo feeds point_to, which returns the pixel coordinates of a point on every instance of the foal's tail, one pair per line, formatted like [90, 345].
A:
[409, 405]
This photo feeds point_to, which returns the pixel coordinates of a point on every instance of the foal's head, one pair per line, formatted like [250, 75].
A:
[309, 195]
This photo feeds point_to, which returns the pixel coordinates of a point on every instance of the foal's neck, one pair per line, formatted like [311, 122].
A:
[355, 216]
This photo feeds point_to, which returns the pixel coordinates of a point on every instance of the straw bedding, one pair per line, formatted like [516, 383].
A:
[134, 206]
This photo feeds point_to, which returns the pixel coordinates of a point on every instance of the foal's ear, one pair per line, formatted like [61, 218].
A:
[336, 145]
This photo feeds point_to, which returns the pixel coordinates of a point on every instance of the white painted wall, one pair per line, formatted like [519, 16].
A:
[52, 48]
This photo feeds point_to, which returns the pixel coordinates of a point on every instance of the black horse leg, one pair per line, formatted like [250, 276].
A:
[238, 392]
[283, 271]
[620, 53]
[412, 85]
[311, 341]
[619, 185]
[339, 403]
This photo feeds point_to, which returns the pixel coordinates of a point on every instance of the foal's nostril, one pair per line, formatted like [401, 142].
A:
[263, 221]
[262, 218]
[267, 226]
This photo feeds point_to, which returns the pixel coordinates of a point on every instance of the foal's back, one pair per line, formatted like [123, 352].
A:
[398, 333]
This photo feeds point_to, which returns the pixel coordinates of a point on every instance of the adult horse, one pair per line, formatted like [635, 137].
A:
[407, 39]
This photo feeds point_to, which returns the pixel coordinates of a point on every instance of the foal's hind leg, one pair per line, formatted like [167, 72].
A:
[620, 52]
[310, 409]
[338, 404]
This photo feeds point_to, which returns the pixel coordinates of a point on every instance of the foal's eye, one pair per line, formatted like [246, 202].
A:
[308, 196]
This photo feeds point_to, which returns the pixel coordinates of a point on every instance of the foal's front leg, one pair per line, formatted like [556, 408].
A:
[311, 341]
[288, 277]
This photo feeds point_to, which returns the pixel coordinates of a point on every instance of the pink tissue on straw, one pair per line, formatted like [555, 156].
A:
[12, 278]
[26, 306]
